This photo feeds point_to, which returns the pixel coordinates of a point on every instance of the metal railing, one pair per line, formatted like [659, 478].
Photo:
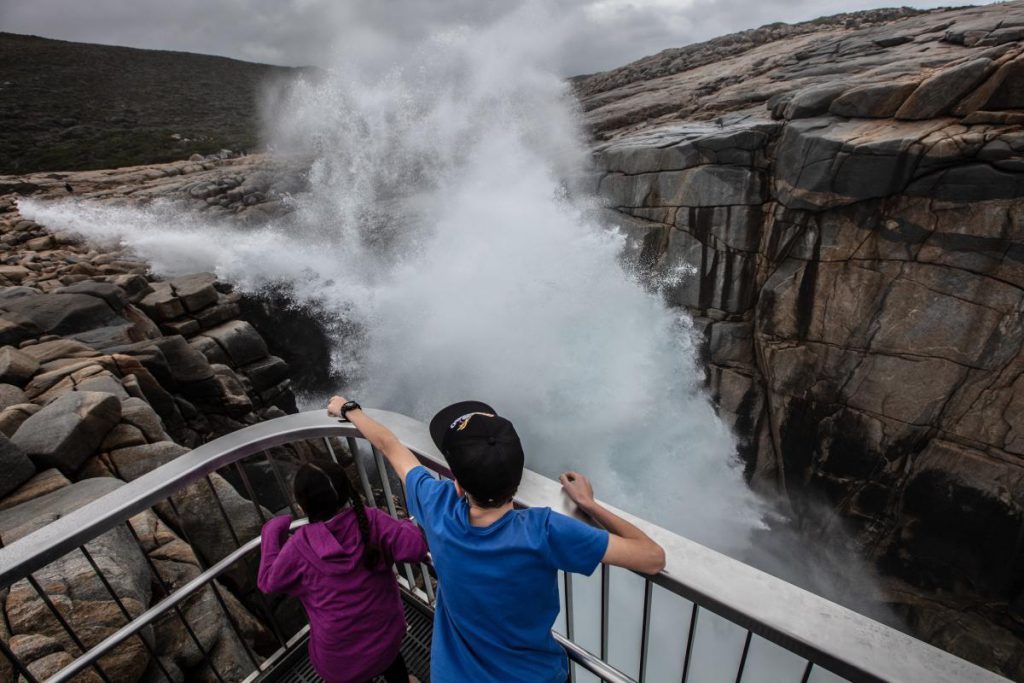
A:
[704, 613]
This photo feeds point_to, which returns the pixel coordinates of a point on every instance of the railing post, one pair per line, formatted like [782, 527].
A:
[645, 633]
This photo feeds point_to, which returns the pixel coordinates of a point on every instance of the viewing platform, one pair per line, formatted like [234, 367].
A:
[706, 617]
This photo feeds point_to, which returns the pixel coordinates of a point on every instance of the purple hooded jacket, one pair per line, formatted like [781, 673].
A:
[356, 622]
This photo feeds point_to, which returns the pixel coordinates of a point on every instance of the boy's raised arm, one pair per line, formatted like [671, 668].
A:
[400, 457]
[628, 546]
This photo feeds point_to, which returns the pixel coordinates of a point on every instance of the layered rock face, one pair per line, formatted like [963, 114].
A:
[840, 207]
[105, 374]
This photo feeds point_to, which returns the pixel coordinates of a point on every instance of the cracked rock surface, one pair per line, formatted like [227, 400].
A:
[850, 196]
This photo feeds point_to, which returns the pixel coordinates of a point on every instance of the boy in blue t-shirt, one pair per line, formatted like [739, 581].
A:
[498, 566]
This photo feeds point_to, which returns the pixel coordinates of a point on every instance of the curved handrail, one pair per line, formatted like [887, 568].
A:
[823, 632]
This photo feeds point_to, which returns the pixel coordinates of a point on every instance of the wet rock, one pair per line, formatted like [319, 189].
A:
[196, 291]
[241, 343]
[64, 433]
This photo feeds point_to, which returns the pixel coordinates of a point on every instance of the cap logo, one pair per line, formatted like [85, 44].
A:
[463, 421]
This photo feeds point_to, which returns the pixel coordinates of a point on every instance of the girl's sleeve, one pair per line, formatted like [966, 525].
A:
[401, 540]
[279, 572]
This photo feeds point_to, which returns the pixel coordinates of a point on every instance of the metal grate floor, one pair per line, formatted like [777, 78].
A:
[296, 668]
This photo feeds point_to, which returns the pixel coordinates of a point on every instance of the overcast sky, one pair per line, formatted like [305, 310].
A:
[605, 33]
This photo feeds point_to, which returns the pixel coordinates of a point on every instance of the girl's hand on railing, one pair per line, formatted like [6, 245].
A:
[578, 488]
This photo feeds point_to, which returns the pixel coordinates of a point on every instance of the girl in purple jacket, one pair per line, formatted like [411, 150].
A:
[339, 567]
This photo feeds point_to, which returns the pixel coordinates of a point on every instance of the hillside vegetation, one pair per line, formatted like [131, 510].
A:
[73, 106]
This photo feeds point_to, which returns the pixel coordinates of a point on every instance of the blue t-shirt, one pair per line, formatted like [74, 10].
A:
[498, 595]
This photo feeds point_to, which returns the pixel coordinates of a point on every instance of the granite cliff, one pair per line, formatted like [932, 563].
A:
[850, 196]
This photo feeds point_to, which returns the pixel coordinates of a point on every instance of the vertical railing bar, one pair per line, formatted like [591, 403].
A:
[234, 624]
[364, 479]
[569, 629]
[239, 467]
[645, 633]
[330, 450]
[424, 570]
[689, 641]
[807, 671]
[16, 661]
[216, 592]
[177, 608]
[605, 589]
[743, 657]
[124, 611]
[281, 483]
[385, 481]
[223, 512]
[64, 624]
[274, 626]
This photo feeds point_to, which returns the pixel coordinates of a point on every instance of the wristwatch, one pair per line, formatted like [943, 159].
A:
[350, 405]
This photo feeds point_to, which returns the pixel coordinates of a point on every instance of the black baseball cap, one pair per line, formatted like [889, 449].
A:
[482, 449]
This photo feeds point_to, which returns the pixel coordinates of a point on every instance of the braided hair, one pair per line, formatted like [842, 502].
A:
[323, 490]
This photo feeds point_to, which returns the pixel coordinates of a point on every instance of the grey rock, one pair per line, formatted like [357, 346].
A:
[16, 367]
[46, 352]
[186, 365]
[113, 295]
[813, 101]
[11, 417]
[15, 467]
[66, 432]
[11, 395]
[240, 341]
[875, 100]
[195, 291]
[937, 95]
[132, 462]
[64, 314]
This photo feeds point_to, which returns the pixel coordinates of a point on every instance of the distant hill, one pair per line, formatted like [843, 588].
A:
[75, 106]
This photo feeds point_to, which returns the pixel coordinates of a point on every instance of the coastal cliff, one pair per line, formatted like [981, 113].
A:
[840, 205]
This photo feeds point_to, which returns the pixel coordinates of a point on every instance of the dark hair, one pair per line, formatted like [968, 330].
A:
[323, 491]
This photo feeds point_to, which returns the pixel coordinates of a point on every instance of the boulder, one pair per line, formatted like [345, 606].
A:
[162, 303]
[113, 295]
[812, 101]
[185, 364]
[132, 462]
[15, 467]
[16, 367]
[11, 395]
[64, 314]
[46, 352]
[240, 341]
[140, 414]
[937, 94]
[39, 485]
[11, 417]
[68, 430]
[196, 291]
[874, 100]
